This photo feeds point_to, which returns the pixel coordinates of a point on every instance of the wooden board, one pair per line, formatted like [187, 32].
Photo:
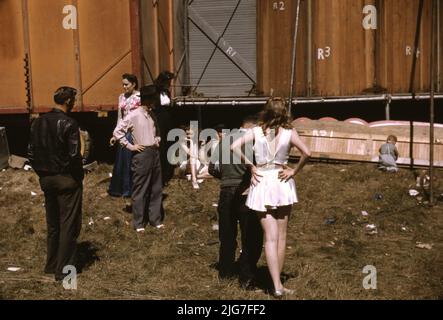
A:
[343, 140]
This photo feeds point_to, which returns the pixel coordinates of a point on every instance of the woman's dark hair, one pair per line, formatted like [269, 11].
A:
[274, 115]
[131, 78]
[64, 94]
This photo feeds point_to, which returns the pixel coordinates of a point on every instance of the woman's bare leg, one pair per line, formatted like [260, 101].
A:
[270, 227]
[282, 222]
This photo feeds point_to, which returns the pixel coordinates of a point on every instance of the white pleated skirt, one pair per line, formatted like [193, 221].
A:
[270, 192]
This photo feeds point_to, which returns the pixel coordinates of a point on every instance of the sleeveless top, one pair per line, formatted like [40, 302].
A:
[268, 153]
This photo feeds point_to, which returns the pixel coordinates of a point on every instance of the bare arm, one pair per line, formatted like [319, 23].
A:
[236, 147]
[287, 173]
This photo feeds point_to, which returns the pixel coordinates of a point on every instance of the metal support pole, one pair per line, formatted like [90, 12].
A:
[439, 26]
[431, 121]
[186, 68]
[412, 79]
[309, 48]
[294, 54]
[78, 65]
[416, 51]
[27, 59]
[388, 107]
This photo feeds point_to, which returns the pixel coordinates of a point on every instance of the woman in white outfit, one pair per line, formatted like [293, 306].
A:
[272, 192]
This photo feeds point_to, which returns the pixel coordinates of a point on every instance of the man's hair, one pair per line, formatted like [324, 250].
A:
[131, 78]
[63, 94]
[148, 95]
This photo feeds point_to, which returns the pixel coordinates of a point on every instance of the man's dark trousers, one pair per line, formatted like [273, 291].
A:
[63, 203]
[147, 187]
[232, 210]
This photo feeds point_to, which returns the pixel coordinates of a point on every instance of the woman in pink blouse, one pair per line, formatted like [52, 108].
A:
[121, 182]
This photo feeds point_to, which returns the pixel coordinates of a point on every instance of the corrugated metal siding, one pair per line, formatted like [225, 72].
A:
[222, 77]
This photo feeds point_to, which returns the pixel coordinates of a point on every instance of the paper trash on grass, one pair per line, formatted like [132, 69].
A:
[364, 213]
[371, 229]
[33, 193]
[14, 269]
[422, 245]
[107, 218]
[215, 205]
[413, 193]
[215, 227]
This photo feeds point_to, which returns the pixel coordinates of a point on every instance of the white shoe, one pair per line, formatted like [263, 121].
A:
[195, 185]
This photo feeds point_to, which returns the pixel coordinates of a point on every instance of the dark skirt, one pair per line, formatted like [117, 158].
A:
[121, 181]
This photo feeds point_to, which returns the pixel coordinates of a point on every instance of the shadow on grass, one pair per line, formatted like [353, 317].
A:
[86, 255]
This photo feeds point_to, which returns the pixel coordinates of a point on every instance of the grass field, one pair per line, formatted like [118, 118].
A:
[323, 260]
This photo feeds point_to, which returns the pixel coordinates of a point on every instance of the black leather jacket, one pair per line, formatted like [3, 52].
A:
[54, 146]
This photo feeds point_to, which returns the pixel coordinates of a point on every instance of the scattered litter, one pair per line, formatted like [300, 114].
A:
[403, 229]
[110, 175]
[387, 254]
[107, 218]
[364, 213]
[330, 221]
[27, 167]
[91, 222]
[342, 170]
[413, 193]
[378, 196]
[127, 223]
[33, 193]
[214, 204]
[215, 227]
[331, 244]
[422, 245]
[14, 269]
[353, 223]
[371, 229]
[289, 247]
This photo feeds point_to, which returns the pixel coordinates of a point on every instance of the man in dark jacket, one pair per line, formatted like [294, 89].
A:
[235, 180]
[54, 153]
